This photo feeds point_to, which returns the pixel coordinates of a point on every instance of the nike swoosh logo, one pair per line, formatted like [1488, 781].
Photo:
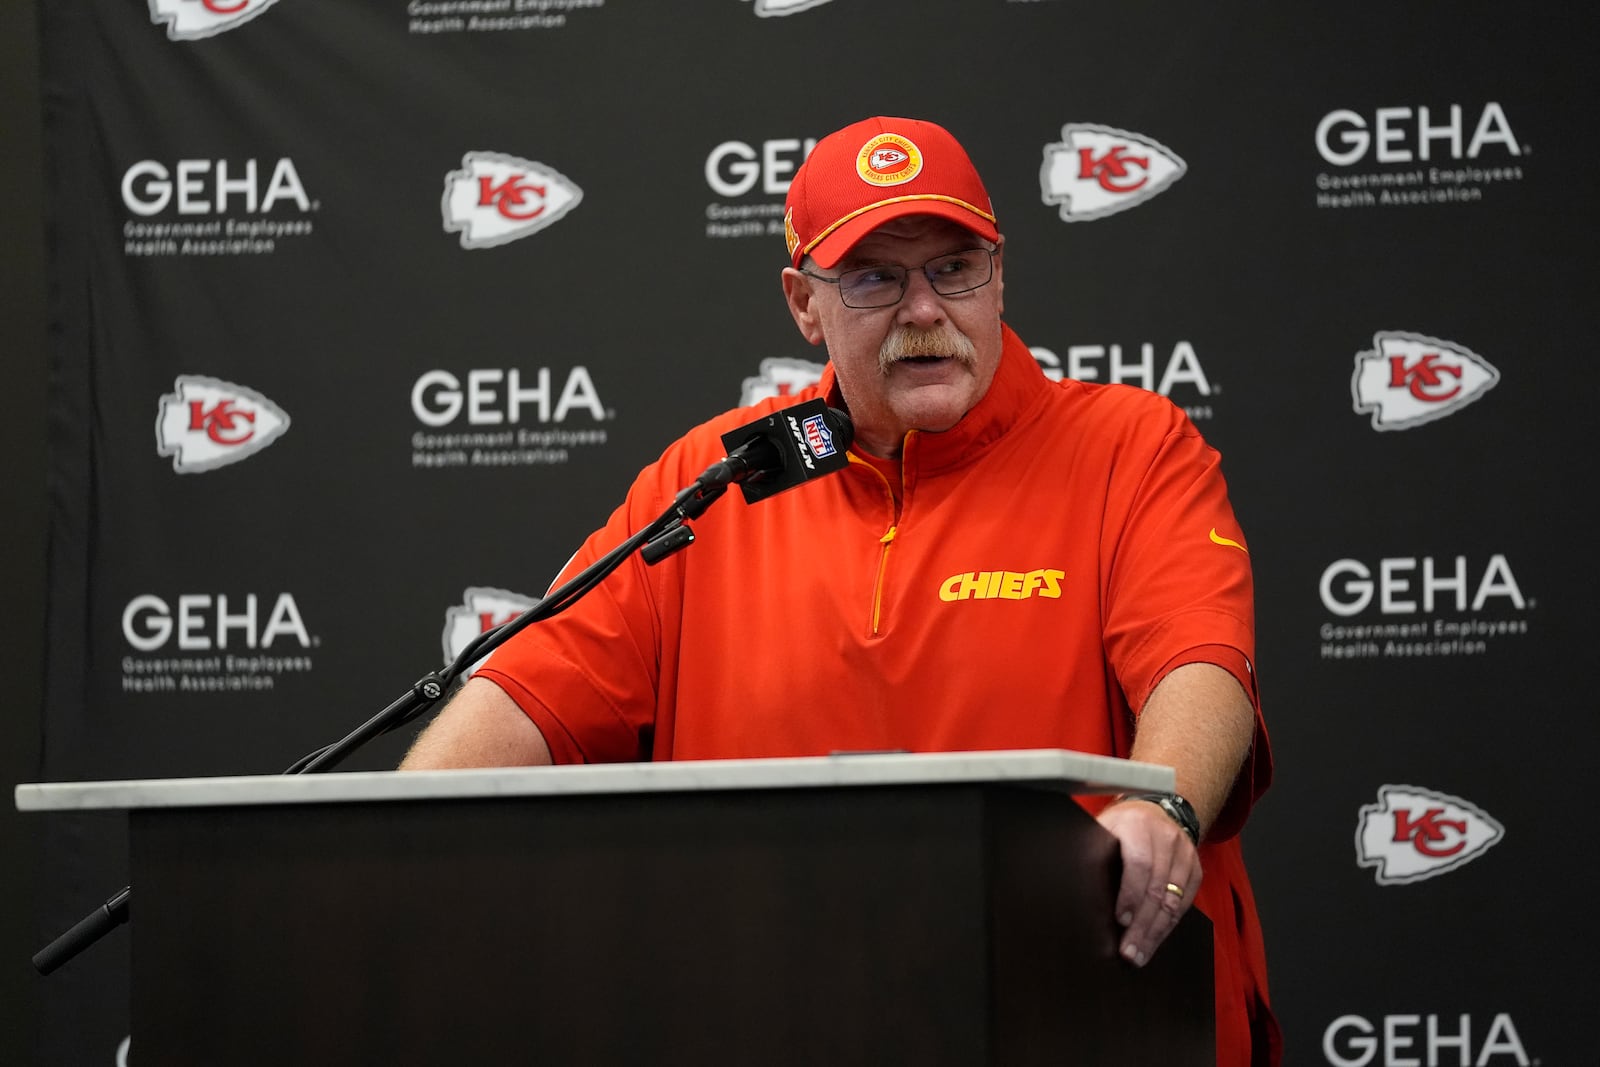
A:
[1219, 539]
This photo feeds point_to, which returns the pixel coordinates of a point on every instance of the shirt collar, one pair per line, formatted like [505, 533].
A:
[1018, 385]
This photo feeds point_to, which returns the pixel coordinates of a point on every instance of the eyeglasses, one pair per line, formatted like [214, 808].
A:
[885, 285]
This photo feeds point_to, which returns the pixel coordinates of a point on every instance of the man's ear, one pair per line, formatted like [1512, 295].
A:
[1000, 275]
[799, 296]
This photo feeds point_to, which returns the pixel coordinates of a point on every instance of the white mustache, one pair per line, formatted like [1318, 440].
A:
[907, 341]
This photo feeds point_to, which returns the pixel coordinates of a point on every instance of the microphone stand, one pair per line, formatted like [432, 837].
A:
[660, 538]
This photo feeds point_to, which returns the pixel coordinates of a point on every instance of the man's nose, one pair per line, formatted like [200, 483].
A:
[921, 306]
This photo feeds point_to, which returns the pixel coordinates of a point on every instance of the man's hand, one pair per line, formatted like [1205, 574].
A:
[1199, 722]
[1160, 875]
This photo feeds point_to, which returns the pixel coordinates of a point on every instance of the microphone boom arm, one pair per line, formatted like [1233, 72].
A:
[423, 694]
[755, 459]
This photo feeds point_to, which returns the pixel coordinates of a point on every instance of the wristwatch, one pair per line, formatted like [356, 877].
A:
[1178, 810]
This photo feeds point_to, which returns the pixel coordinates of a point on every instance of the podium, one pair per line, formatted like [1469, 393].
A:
[861, 909]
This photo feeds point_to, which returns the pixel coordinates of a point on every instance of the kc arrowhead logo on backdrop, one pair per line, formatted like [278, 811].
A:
[1095, 171]
[779, 376]
[1408, 379]
[190, 20]
[496, 198]
[481, 609]
[1412, 834]
[206, 423]
[769, 8]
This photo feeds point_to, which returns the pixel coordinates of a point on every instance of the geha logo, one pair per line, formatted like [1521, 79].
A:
[1178, 376]
[206, 423]
[438, 397]
[1344, 137]
[733, 168]
[481, 609]
[770, 8]
[1182, 366]
[496, 198]
[203, 622]
[208, 187]
[1348, 586]
[1095, 171]
[1354, 1041]
[190, 20]
[1408, 379]
[1412, 834]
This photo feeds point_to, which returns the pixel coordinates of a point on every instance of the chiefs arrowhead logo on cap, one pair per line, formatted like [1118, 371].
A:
[888, 159]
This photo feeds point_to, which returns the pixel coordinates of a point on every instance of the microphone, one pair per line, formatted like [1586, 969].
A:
[789, 447]
[786, 448]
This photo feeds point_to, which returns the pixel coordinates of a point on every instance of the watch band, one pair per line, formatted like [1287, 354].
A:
[1178, 810]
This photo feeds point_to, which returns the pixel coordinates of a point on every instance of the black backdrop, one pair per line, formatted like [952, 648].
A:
[363, 313]
[22, 501]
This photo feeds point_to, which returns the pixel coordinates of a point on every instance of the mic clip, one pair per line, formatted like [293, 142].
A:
[674, 537]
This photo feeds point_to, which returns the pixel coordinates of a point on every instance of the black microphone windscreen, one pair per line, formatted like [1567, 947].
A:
[807, 440]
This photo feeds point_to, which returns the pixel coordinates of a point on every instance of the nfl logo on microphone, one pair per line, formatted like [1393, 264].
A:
[818, 437]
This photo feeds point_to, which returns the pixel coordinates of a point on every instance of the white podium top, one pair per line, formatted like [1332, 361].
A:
[1056, 769]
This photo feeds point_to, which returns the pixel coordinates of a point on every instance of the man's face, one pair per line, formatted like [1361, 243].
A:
[920, 364]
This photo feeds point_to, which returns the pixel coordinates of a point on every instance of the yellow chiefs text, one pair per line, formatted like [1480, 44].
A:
[1002, 585]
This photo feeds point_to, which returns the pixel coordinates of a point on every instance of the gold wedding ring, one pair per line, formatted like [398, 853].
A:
[1175, 889]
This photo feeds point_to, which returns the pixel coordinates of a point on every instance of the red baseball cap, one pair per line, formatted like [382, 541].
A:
[878, 169]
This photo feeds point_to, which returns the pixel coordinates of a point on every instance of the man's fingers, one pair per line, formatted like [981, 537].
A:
[1160, 874]
[1164, 904]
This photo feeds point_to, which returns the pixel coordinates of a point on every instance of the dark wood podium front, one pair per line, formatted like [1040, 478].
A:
[832, 914]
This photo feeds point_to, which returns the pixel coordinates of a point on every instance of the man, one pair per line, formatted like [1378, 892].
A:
[1006, 562]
